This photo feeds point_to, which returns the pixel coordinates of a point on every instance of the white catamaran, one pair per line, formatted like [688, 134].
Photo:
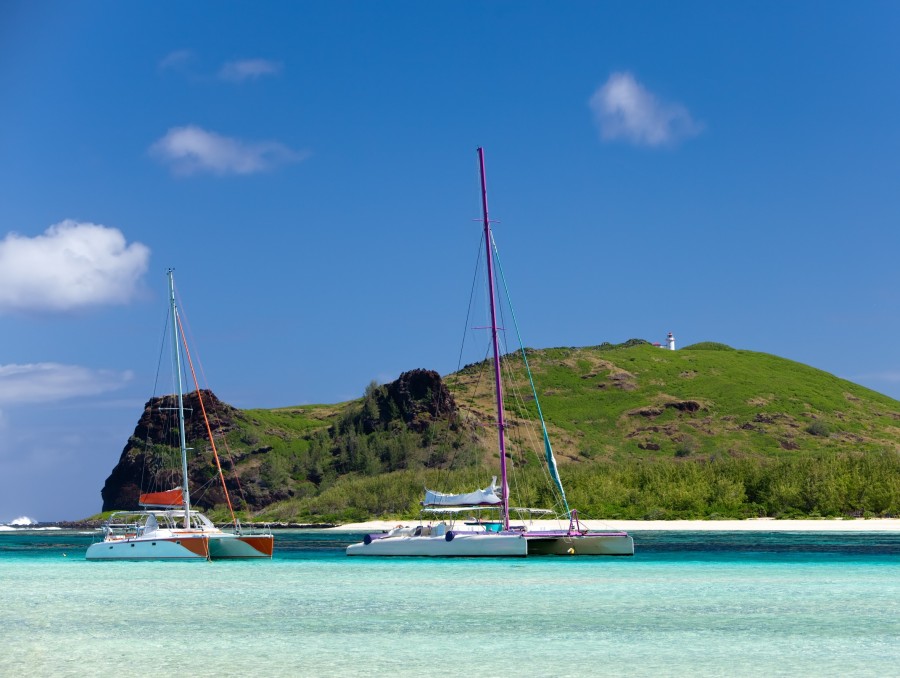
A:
[449, 533]
[168, 528]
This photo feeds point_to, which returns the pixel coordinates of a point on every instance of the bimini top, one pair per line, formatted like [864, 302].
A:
[486, 497]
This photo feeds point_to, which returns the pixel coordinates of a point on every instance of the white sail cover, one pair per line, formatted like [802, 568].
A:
[486, 497]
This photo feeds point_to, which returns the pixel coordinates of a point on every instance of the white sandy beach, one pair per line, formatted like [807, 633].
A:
[752, 525]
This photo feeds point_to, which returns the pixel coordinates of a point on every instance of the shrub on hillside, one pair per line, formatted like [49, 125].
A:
[818, 428]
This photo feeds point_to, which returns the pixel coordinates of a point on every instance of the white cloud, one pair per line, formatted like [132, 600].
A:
[70, 265]
[176, 60]
[191, 149]
[248, 69]
[48, 382]
[625, 109]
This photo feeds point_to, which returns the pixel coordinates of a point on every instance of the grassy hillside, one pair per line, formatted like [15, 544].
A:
[640, 432]
[707, 399]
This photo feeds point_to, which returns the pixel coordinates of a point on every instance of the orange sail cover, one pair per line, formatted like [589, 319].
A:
[172, 497]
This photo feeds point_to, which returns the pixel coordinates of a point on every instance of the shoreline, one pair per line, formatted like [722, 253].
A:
[749, 525]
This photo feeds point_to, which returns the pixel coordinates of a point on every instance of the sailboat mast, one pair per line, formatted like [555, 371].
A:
[501, 426]
[176, 352]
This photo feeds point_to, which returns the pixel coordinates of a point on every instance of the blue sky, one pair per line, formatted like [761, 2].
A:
[724, 171]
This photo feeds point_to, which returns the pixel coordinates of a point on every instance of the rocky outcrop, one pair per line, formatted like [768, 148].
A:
[416, 398]
[263, 475]
[151, 461]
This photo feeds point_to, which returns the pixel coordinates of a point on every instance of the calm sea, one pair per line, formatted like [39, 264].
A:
[688, 604]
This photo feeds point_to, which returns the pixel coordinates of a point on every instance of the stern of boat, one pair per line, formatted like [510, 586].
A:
[607, 544]
[229, 545]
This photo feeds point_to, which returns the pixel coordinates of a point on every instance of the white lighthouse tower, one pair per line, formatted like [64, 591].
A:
[670, 342]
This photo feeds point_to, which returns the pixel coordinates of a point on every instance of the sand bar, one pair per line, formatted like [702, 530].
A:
[752, 525]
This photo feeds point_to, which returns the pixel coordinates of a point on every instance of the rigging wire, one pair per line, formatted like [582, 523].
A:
[212, 441]
[444, 474]
[162, 347]
[552, 470]
[215, 414]
[471, 299]
[520, 432]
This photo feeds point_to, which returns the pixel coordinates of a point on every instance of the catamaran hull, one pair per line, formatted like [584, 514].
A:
[241, 546]
[580, 545]
[211, 547]
[460, 545]
[182, 548]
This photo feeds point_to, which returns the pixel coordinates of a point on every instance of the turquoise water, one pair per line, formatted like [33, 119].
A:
[699, 604]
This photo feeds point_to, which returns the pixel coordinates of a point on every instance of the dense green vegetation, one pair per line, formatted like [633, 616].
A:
[846, 484]
[640, 432]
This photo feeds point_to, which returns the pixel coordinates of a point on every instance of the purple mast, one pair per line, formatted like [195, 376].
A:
[501, 426]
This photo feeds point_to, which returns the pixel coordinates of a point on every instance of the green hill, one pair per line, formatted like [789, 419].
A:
[639, 432]
[706, 399]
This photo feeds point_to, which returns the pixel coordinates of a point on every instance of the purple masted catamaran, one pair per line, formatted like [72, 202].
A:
[443, 534]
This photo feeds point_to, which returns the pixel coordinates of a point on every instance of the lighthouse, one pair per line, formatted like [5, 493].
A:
[670, 342]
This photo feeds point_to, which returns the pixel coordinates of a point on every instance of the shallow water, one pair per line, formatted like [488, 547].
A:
[744, 604]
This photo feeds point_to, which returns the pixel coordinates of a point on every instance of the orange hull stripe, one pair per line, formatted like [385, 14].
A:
[264, 543]
[197, 545]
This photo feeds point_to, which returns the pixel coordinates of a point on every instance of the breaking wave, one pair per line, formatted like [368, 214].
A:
[26, 523]
[23, 521]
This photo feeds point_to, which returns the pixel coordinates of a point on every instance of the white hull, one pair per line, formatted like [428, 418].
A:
[201, 547]
[140, 536]
[149, 548]
[462, 545]
[580, 545]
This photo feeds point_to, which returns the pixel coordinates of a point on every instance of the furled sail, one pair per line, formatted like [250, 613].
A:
[173, 497]
[486, 497]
